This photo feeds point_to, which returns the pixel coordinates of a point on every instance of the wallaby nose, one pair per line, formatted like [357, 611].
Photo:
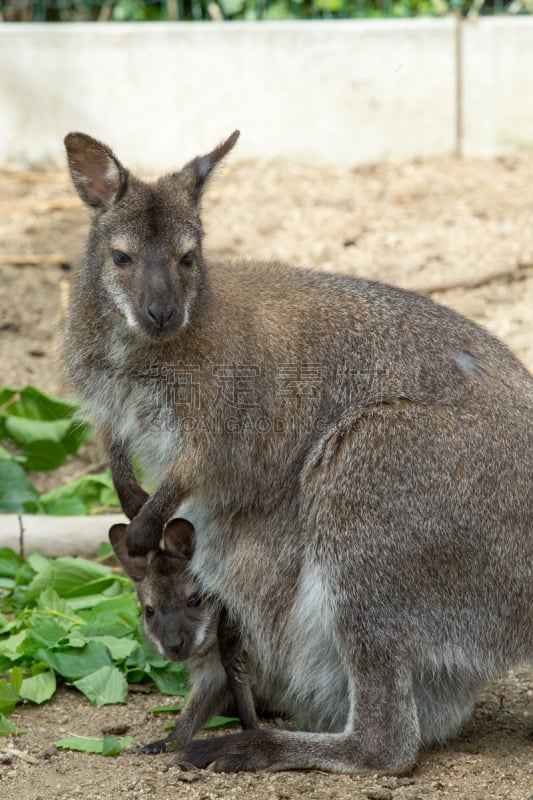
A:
[174, 647]
[160, 312]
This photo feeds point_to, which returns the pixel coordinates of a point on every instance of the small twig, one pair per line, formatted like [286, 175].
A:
[21, 537]
[33, 260]
[43, 205]
[515, 273]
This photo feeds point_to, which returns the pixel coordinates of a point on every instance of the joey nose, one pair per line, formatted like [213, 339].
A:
[174, 647]
[160, 313]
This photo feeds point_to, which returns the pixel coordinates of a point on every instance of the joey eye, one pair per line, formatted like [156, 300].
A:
[120, 259]
[188, 259]
[149, 611]
[194, 600]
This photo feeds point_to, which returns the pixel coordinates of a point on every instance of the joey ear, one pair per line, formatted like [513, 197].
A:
[197, 171]
[178, 539]
[134, 566]
[99, 177]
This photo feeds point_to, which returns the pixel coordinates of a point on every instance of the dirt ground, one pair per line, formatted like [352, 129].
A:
[460, 230]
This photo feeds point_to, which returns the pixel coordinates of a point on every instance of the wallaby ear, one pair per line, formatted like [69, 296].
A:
[99, 177]
[178, 539]
[134, 566]
[196, 172]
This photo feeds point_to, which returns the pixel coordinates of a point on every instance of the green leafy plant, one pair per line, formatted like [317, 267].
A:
[39, 432]
[76, 622]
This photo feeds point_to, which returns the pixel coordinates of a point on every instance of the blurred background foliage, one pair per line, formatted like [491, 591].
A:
[218, 10]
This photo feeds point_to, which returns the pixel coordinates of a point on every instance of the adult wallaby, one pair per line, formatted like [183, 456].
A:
[185, 626]
[356, 461]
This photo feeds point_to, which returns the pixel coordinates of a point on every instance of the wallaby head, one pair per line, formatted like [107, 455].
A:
[176, 618]
[146, 239]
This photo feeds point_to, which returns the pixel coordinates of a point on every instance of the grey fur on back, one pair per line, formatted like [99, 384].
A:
[356, 461]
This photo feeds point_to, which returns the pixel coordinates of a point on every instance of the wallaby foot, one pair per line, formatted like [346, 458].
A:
[251, 751]
[154, 748]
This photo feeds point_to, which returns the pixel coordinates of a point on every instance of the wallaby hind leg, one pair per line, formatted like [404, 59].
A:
[383, 736]
[210, 694]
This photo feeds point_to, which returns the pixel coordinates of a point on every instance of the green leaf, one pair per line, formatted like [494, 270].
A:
[74, 663]
[47, 633]
[11, 647]
[171, 679]
[38, 562]
[166, 709]
[112, 746]
[9, 697]
[120, 649]
[103, 687]
[6, 727]
[116, 616]
[90, 744]
[44, 455]
[81, 495]
[220, 722]
[38, 688]
[71, 577]
[17, 492]
[10, 562]
[50, 601]
[16, 679]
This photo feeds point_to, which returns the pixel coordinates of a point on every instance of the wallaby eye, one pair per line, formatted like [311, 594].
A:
[188, 259]
[194, 600]
[120, 259]
[149, 612]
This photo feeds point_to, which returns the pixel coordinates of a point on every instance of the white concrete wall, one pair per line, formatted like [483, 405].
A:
[346, 92]
[498, 86]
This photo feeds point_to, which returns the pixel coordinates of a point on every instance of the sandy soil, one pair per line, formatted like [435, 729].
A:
[460, 230]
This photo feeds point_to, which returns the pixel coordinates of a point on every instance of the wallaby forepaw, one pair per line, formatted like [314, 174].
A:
[152, 748]
[144, 533]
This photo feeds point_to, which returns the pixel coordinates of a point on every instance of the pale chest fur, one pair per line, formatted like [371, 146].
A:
[286, 634]
[138, 412]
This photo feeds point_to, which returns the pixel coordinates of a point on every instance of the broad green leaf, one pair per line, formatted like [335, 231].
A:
[120, 649]
[171, 679]
[9, 697]
[112, 746]
[10, 562]
[17, 492]
[220, 722]
[47, 633]
[116, 616]
[50, 601]
[91, 491]
[38, 562]
[12, 646]
[25, 431]
[166, 709]
[16, 678]
[38, 688]
[90, 744]
[82, 744]
[103, 687]
[71, 577]
[30, 403]
[6, 727]
[73, 663]
[43, 455]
